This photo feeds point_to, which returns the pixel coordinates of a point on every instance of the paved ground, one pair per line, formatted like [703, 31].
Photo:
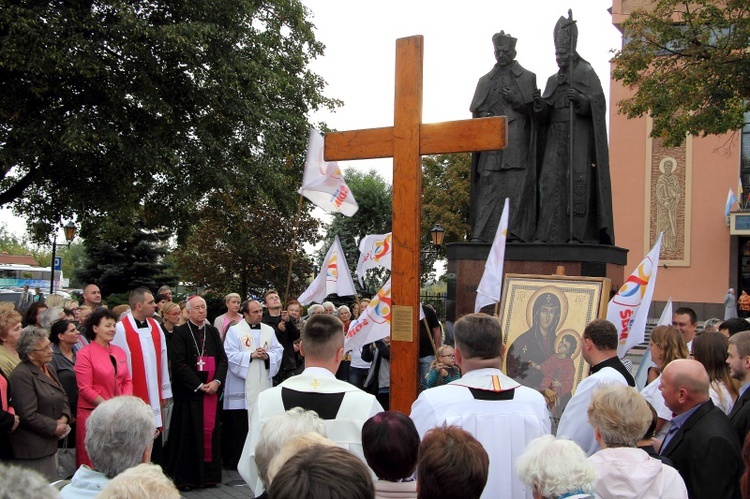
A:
[222, 491]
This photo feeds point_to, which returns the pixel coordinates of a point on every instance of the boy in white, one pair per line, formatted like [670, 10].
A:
[499, 412]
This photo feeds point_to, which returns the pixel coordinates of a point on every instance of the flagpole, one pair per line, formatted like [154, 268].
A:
[294, 247]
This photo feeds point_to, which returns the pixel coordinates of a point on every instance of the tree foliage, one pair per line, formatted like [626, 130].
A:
[375, 199]
[72, 255]
[688, 64]
[125, 265]
[243, 244]
[115, 111]
[445, 201]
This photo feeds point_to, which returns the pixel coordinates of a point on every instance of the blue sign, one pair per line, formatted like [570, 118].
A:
[58, 263]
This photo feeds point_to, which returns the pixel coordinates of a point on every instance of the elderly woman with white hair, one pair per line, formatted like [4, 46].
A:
[275, 433]
[114, 443]
[40, 402]
[620, 416]
[50, 316]
[556, 467]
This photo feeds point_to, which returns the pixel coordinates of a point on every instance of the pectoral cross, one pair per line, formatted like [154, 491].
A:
[406, 141]
[200, 364]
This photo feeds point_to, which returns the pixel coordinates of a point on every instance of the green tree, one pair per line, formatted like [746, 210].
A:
[72, 255]
[116, 112]
[688, 65]
[445, 201]
[375, 199]
[120, 267]
[243, 244]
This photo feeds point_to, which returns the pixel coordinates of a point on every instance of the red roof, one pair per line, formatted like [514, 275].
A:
[18, 259]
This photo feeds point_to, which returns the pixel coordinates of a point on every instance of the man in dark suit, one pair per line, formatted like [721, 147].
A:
[701, 441]
[739, 367]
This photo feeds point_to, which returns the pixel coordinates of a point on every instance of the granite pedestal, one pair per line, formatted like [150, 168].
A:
[466, 265]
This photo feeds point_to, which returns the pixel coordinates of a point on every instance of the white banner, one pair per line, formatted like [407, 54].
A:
[491, 284]
[373, 323]
[323, 183]
[334, 277]
[374, 251]
[628, 309]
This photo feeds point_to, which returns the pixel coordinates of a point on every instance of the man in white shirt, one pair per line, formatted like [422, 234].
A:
[686, 320]
[499, 412]
[254, 356]
[144, 343]
[599, 349]
[342, 406]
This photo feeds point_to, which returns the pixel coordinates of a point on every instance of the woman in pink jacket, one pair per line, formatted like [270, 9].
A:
[101, 374]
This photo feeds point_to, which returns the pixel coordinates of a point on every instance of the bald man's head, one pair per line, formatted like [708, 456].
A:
[684, 385]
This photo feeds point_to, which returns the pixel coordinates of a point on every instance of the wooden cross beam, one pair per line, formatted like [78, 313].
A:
[406, 141]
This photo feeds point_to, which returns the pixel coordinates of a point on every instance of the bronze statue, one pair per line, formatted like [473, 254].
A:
[508, 90]
[581, 210]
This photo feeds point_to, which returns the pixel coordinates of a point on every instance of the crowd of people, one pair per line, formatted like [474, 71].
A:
[273, 394]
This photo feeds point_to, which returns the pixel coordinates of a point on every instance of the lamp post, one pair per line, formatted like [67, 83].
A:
[437, 233]
[70, 233]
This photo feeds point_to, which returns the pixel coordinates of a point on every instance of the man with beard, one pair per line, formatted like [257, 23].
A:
[199, 369]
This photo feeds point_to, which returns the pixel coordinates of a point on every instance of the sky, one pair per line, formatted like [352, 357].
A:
[360, 40]
[359, 59]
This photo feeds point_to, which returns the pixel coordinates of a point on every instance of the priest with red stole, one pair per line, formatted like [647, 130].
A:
[199, 369]
[144, 343]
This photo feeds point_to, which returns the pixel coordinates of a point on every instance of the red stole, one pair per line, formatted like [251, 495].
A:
[139, 375]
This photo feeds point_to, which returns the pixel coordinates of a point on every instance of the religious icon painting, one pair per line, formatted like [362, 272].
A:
[543, 318]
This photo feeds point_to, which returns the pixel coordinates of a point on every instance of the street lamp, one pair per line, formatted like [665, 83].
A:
[70, 233]
[437, 233]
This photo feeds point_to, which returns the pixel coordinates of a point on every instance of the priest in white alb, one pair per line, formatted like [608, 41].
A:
[254, 356]
[144, 343]
[342, 406]
[499, 412]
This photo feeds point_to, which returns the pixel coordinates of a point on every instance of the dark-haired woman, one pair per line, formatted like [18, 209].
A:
[101, 373]
[64, 337]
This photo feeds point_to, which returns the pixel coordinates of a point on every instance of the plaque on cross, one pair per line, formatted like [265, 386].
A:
[406, 141]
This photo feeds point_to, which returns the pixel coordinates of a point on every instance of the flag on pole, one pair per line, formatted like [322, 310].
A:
[641, 376]
[373, 323]
[491, 284]
[731, 199]
[374, 251]
[334, 277]
[628, 310]
[323, 183]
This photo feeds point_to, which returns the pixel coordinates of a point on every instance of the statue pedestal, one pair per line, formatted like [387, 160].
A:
[466, 265]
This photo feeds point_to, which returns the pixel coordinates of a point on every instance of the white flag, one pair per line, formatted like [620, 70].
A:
[374, 251]
[334, 277]
[641, 377]
[373, 323]
[323, 183]
[491, 284]
[628, 309]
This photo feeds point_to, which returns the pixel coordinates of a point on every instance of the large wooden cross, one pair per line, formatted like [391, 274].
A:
[406, 141]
